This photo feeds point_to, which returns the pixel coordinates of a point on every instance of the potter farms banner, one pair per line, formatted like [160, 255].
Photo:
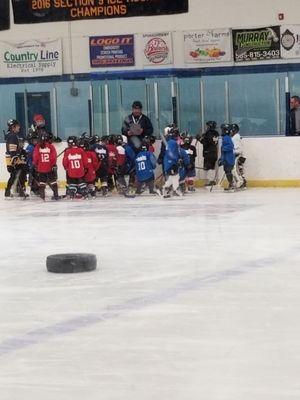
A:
[111, 51]
[157, 48]
[256, 44]
[290, 41]
[4, 15]
[31, 11]
[212, 45]
[30, 58]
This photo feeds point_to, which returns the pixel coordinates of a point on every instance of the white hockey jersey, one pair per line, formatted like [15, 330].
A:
[238, 145]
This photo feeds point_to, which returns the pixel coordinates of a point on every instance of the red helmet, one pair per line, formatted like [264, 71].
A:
[39, 120]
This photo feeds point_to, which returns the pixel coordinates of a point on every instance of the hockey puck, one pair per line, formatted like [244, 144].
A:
[71, 263]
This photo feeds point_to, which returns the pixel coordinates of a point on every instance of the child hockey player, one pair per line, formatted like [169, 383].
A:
[92, 166]
[145, 163]
[227, 155]
[32, 139]
[44, 161]
[98, 145]
[125, 163]
[238, 170]
[112, 161]
[190, 169]
[22, 168]
[174, 158]
[12, 148]
[75, 163]
[209, 141]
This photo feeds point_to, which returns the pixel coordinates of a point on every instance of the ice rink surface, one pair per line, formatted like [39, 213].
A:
[194, 298]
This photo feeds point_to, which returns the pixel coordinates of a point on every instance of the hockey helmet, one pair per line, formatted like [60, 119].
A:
[32, 135]
[72, 141]
[12, 122]
[144, 146]
[226, 129]
[119, 140]
[111, 139]
[235, 128]
[43, 137]
[171, 131]
[211, 124]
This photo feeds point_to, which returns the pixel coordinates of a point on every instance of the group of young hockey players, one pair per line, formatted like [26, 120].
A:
[98, 165]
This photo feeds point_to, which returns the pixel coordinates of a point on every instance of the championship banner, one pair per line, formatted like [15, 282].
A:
[32, 11]
[4, 15]
[157, 48]
[30, 58]
[205, 46]
[111, 51]
[256, 44]
[290, 41]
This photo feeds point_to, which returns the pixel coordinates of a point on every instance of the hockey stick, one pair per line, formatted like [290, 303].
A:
[215, 179]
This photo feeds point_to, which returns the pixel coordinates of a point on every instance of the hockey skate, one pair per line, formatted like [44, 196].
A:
[230, 189]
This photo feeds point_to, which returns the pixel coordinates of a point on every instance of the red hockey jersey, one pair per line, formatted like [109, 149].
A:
[112, 158]
[75, 162]
[93, 164]
[44, 157]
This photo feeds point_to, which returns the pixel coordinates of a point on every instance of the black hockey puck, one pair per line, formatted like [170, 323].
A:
[71, 263]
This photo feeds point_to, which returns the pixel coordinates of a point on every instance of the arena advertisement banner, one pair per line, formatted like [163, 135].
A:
[206, 46]
[30, 58]
[157, 48]
[256, 44]
[111, 51]
[33, 11]
[290, 41]
[4, 15]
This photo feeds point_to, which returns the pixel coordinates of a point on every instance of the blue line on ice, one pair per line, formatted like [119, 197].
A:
[38, 336]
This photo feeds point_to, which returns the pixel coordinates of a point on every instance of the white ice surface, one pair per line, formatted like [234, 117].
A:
[193, 299]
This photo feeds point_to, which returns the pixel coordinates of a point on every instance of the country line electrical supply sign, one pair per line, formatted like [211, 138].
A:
[30, 58]
[111, 51]
[32, 11]
[256, 44]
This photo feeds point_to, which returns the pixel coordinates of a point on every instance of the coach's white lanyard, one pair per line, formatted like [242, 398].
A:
[136, 121]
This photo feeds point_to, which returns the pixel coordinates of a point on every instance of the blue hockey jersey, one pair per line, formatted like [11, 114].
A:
[145, 163]
[227, 151]
[173, 154]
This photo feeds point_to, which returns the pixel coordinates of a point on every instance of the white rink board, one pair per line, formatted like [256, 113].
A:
[194, 298]
[268, 158]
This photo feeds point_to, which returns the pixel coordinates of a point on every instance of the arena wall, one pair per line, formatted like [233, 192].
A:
[201, 15]
[271, 161]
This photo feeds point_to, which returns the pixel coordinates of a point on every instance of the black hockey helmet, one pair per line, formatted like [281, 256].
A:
[152, 139]
[144, 145]
[211, 124]
[111, 139]
[43, 137]
[12, 122]
[32, 135]
[72, 141]
[171, 131]
[188, 139]
[225, 129]
[119, 140]
[235, 128]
